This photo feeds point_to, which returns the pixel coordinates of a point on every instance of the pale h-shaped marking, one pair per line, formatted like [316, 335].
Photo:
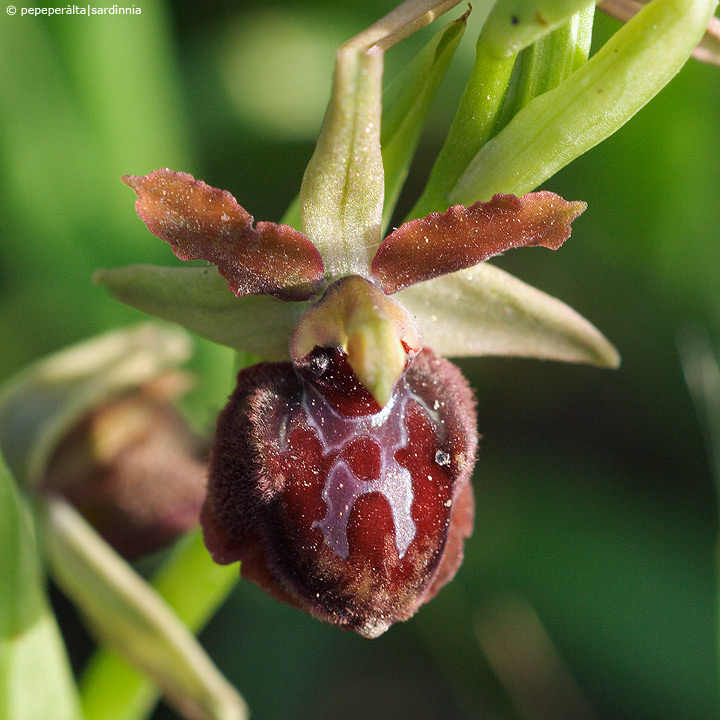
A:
[342, 487]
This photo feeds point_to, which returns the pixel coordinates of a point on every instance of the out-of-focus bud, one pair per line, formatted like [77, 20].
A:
[96, 425]
[133, 469]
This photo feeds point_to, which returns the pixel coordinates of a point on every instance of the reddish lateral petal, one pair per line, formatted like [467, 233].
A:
[442, 243]
[204, 223]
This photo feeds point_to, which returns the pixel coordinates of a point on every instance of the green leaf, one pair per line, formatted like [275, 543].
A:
[129, 616]
[471, 128]
[476, 120]
[547, 62]
[407, 102]
[35, 678]
[198, 298]
[38, 406]
[513, 25]
[708, 49]
[114, 690]
[596, 100]
[486, 311]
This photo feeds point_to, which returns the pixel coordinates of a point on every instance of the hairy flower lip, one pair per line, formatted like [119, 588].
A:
[265, 507]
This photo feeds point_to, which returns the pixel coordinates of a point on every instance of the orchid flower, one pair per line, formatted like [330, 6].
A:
[340, 471]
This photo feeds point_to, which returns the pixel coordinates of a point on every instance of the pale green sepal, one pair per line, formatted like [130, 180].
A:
[35, 678]
[129, 616]
[407, 102]
[596, 100]
[342, 190]
[486, 311]
[513, 25]
[341, 197]
[112, 689]
[39, 405]
[198, 298]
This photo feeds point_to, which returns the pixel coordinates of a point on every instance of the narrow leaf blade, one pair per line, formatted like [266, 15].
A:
[112, 689]
[35, 677]
[129, 616]
[407, 102]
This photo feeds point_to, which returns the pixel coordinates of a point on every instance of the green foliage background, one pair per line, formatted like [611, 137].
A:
[595, 496]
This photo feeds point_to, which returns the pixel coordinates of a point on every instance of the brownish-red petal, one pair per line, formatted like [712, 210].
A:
[204, 223]
[442, 243]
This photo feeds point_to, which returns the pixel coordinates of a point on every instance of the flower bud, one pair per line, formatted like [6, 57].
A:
[354, 513]
[95, 424]
[134, 470]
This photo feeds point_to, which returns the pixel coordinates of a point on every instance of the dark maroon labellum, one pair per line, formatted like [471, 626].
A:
[353, 513]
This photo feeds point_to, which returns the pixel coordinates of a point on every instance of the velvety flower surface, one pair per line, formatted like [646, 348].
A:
[340, 478]
[355, 513]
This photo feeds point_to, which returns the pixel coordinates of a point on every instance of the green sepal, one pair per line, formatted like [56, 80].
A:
[198, 299]
[342, 193]
[126, 614]
[36, 682]
[596, 100]
[406, 103]
[342, 190]
[486, 311]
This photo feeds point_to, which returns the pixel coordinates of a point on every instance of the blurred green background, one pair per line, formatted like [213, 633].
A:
[589, 586]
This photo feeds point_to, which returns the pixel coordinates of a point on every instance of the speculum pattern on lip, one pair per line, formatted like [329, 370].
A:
[281, 453]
